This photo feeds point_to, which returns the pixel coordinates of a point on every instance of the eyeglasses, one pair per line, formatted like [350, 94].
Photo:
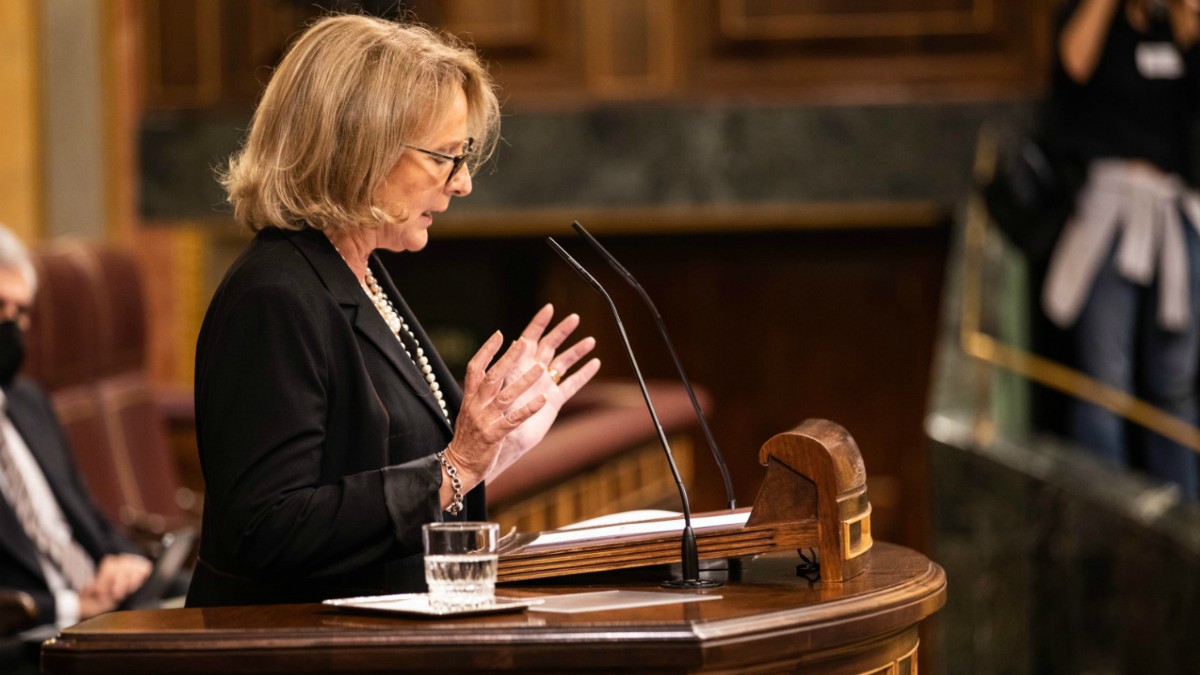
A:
[456, 161]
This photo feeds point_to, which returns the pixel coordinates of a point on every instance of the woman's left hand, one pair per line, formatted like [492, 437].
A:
[554, 383]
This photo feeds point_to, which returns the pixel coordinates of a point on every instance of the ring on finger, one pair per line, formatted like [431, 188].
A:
[554, 375]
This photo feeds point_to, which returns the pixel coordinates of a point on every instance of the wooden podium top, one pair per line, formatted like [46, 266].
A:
[770, 619]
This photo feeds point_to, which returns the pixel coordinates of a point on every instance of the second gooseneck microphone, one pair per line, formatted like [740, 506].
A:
[625, 274]
[690, 556]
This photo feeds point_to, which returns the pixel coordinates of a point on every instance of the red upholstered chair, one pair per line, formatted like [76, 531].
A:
[87, 348]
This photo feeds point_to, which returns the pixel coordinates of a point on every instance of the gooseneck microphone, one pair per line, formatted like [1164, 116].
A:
[690, 553]
[662, 330]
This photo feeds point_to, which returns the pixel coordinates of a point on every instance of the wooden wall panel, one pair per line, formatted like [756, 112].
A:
[214, 53]
[535, 48]
[253, 36]
[780, 328]
[499, 25]
[183, 54]
[869, 49]
[122, 46]
[565, 52]
[806, 19]
[631, 48]
[557, 53]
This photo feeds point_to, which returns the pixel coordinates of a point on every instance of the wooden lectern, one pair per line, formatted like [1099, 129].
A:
[813, 496]
[862, 616]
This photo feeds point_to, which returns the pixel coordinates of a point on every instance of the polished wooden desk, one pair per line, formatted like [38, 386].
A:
[770, 621]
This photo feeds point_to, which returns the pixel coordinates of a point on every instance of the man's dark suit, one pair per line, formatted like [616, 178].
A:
[316, 433]
[32, 415]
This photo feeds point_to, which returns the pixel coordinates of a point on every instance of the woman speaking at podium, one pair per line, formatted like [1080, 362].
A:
[329, 429]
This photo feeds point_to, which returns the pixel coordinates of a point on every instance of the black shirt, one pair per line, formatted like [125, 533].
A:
[1140, 102]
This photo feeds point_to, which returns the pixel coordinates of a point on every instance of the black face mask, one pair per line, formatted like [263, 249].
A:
[12, 351]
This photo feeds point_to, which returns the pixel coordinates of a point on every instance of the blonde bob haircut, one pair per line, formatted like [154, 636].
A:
[349, 95]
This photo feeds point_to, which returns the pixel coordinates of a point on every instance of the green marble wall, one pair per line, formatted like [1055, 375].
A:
[645, 155]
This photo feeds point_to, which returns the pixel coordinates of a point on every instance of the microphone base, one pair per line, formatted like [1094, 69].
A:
[691, 583]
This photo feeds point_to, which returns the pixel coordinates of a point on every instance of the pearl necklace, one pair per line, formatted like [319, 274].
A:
[396, 323]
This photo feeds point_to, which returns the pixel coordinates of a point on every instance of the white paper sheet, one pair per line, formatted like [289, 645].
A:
[568, 535]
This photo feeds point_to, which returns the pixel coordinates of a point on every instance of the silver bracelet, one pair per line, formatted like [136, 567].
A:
[456, 502]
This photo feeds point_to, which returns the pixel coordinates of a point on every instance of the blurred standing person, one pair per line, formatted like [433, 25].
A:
[1126, 271]
[328, 427]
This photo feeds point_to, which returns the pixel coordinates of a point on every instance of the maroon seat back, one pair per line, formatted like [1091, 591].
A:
[87, 347]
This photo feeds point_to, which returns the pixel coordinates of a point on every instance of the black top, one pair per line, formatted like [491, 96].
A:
[1126, 110]
[316, 433]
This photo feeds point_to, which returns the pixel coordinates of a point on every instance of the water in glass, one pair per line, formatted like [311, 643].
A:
[460, 581]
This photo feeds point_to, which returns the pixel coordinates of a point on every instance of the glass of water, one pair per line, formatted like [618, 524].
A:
[460, 564]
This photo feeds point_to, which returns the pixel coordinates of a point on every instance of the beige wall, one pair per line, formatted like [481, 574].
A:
[20, 150]
[73, 117]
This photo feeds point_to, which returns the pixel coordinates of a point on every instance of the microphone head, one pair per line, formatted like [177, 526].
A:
[558, 249]
[612, 260]
[562, 252]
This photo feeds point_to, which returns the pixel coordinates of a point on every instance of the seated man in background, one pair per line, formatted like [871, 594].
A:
[55, 544]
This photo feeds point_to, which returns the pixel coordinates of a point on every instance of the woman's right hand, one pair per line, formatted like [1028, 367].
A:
[484, 420]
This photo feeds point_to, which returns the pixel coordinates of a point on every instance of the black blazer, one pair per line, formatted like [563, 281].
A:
[316, 433]
[34, 418]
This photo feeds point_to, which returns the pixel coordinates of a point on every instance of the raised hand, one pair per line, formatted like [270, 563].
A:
[494, 405]
[551, 385]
